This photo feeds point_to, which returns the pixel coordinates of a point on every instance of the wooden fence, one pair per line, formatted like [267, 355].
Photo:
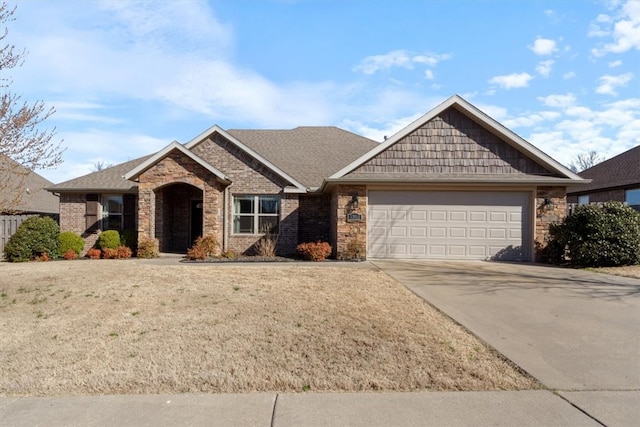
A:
[8, 225]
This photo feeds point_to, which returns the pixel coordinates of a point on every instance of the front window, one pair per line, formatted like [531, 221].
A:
[112, 212]
[255, 214]
[632, 197]
[583, 200]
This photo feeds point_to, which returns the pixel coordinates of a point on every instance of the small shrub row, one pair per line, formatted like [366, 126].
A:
[203, 248]
[318, 251]
[147, 248]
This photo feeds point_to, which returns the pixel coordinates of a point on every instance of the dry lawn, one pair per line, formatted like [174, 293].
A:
[626, 271]
[136, 326]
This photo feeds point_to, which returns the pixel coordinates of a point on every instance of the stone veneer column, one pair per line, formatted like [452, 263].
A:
[548, 214]
[349, 234]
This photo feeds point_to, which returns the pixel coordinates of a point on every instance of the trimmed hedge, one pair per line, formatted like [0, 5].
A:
[597, 236]
[109, 239]
[68, 240]
[36, 238]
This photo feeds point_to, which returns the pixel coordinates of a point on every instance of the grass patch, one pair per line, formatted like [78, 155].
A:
[290, 329]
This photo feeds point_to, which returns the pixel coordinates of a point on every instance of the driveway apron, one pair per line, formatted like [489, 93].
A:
[577, 332]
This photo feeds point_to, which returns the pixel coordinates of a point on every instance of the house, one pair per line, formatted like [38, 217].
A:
[22, 195]
[453, 184]
[616, 179]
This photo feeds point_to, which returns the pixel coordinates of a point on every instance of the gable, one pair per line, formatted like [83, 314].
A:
[452, 143]
[238, 165]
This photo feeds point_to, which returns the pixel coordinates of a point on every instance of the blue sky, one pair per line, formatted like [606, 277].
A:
[127, 78]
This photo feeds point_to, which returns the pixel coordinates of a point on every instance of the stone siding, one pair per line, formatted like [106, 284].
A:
[548, 214]
[349, 235]
[451, 143]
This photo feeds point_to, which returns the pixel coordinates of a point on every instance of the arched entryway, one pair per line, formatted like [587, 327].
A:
[179, 216]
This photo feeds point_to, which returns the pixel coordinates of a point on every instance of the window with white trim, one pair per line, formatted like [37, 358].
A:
[256, 214]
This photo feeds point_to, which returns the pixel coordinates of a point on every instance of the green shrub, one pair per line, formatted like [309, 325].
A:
[109, 239]
[68, 240]
[314, 251]
[597, 236]
[129, 238]
[147, 248]
[36, 238]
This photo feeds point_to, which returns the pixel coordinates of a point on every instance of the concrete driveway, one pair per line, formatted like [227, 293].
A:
[575, 331]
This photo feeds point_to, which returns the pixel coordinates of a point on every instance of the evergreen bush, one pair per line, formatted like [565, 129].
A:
[604, 235]
[109, 239]
[129, 238]
[35, 238]
[68, 240]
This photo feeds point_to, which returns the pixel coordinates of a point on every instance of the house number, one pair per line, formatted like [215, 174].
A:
[354, 217]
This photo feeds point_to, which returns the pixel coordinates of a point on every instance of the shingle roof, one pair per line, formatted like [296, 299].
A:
[307, 153]
[619, 171]
[34, 197]
[105, 180]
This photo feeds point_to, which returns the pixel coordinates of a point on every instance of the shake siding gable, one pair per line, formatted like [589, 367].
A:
[451, 143]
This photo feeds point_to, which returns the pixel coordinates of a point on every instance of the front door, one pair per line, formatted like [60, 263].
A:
[196, 220]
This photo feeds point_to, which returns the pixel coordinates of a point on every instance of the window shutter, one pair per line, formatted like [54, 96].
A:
[91, 215]
[129, 211]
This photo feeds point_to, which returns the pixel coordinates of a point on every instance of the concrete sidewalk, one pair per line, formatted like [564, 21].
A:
[521, 408]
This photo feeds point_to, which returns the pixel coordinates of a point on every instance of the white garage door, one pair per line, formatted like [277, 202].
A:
[449, 225]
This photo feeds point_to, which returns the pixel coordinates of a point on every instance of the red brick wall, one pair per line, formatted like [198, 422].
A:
[73, 208]
[315, 218]
[250, 177]
[176, 168]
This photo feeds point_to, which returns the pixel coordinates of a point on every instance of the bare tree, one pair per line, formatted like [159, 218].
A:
[585, 161]
[23, 146]
[100, 165]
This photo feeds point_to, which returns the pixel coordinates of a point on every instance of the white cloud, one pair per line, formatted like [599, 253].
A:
[624, 29]
[557, 100]
[543, 46]
[614, 64]
[398, 58]
[608, 84]
[428, 74]
[569, 75]
[384, 131]
[512, 81]
[532, 119]
[544, 67]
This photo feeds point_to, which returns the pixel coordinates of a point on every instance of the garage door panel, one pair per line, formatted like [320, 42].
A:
[454, 225]
[418, 231]
[418, 215]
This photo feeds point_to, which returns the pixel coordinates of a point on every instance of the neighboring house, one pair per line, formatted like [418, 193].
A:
[616, 179]
[22, 195]
[453, 184]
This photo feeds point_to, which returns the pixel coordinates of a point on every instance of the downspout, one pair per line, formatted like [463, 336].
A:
[225, 216]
